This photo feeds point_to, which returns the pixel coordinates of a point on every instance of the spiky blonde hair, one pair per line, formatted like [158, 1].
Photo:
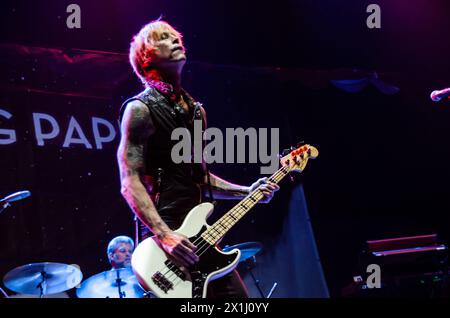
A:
[141, 47]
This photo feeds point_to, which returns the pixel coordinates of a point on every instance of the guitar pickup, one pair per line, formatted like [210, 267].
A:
[175, 269]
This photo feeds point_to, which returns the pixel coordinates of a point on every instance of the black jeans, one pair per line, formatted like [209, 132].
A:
[228, 286]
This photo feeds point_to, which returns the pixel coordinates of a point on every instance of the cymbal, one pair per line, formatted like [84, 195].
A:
[106, 285]
[42, 278]
[58, 295]
[248, 249]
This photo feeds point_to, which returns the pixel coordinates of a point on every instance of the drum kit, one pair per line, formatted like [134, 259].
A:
[52, 280]
[46, 279]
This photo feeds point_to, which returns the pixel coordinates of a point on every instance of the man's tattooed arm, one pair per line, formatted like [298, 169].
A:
[136, 127]
[222, 189]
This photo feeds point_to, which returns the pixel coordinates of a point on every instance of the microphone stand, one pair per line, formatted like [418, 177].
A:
[4, 206]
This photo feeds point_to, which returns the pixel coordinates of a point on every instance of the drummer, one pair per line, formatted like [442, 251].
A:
[119, 251]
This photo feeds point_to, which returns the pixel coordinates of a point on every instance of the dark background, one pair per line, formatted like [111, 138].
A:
[383, 166]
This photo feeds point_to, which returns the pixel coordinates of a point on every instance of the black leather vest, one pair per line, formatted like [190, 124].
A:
[179, 189]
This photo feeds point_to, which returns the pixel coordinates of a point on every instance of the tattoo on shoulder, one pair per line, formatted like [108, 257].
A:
[136, 127]
[137, 123]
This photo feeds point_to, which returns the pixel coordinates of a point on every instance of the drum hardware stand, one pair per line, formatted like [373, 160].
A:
[119, 282]
[147, 294]
[4, 206]
[272, 290]
[4, 293]
[249, 268]
[42, 285]
[257, 281]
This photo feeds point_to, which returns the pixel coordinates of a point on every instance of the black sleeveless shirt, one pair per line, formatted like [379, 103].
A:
[178, 185]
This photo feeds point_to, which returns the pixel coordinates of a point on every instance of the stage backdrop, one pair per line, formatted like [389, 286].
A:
[58, 138]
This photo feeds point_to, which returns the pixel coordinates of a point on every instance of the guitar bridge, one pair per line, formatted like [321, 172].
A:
[162, 282]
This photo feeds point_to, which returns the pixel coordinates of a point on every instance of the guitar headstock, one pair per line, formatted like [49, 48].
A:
[297, 158]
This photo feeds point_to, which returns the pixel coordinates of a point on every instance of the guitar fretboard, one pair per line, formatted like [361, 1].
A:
[227, 221]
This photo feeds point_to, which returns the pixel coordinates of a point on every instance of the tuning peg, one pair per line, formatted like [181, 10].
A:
[285, 152]
[300, 143]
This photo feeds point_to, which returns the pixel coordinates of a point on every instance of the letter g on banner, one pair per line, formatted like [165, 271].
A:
[11, 134]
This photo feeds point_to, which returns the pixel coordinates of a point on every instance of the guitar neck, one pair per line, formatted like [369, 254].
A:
[227, 221]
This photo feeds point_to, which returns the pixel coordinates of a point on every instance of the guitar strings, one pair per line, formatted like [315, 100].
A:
[280, 173]
[201, 249]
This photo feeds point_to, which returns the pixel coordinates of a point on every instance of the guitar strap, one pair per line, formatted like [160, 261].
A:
[199, 115]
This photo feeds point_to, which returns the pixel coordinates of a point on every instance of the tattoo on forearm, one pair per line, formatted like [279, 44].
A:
[133, 161]
[225, 188]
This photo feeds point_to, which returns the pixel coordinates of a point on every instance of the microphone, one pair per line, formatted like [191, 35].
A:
[437, 96]
[16, 196]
